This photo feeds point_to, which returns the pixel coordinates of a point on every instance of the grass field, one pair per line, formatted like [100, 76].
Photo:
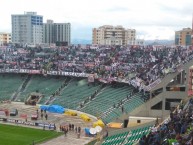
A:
[16, 135]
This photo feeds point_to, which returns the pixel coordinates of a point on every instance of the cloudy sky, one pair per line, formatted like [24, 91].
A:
[153, 19]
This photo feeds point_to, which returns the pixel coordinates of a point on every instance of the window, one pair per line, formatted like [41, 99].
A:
[138, 121]
[157, 106]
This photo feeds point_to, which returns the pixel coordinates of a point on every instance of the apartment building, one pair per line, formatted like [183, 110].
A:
[56, 32]
[183, 37]
[113, 35]
[5, 38]
[27, 28]
[192, 32]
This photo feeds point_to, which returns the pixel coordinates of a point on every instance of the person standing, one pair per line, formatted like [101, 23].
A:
[49, 126]
[54, 126]
[72, 127]
[79, 129]
[65, 131]
[122, 109]
[46, 116]
[76, 129]
[44, 127]
[42, 115]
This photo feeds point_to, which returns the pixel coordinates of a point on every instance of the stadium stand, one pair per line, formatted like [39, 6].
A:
[44, 85]
[109, 96]
[140, 68]
[9, 85]
[135, 101]
[75, 92]
[177, 129]
[135, 135]
[115, 139]
[138, 65]
[127, 138]
[128, 105]
[112, 115]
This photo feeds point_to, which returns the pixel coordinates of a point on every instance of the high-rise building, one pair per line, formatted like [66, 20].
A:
[27, 28]
[56, 32]
[192, 31]
[113, 35]
[183, 37]
[5, 38]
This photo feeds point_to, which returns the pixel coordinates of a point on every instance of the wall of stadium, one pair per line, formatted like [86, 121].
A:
[145, 109]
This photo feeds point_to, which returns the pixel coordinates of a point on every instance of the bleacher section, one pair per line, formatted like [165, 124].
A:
[129, 105]
[115, 139]
[106, 99]
[44, 85]
[112, 115]
[135, 135]
[135, 101]
[106, 103]
[59, 89]
[75, 92]
[9, 83]
[127, 138]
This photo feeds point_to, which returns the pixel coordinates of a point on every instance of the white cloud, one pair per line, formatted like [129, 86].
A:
[156, 18]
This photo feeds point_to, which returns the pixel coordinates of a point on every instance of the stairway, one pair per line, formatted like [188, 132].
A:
[21, 88]
[117, 106]
[91, 98]
[58, 91]
[25, 83]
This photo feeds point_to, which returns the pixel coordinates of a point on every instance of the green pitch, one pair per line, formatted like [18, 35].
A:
[15, 135]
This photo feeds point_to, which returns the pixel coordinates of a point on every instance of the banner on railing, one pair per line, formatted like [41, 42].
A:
[180, 68]
[91, 78]
[35, 72]
[152, 85]
[102, 80]
[17, 121]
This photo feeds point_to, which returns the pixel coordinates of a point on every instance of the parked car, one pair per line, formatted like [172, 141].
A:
[13, 112]
[34, 117]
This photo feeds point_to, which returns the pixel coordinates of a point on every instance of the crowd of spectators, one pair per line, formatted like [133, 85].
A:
[139, 64]
[176, 130]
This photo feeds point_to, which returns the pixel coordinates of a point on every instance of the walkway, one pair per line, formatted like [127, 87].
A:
[70, 139]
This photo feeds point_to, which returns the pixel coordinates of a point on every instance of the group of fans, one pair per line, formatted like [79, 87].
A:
[176, 130]
[134, 64]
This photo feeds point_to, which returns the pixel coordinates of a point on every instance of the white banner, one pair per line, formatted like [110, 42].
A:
[90, 78]
[152, 85]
